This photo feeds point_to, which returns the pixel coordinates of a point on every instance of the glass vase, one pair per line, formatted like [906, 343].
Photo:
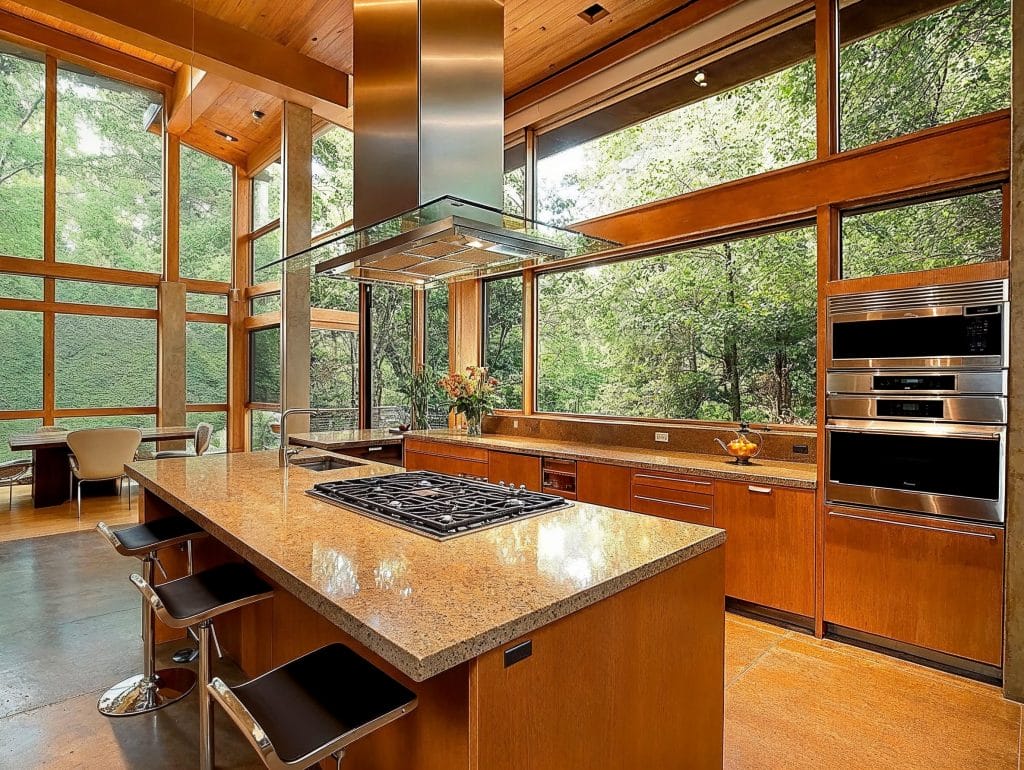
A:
[474, 422]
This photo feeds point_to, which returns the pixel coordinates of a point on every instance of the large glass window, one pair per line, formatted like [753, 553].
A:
[334, 376]
[219, 422]
[503, 337]
[746, 113]
[437, 358]
[332, 179]
[20, 286]
[262, 430]
[106, 294]
[22, 89]
[206, 363]
[266, 195]
[10, 428]
[717, 332]
[103, 361]
[21, 375]
[109, 173]
[921, 236]
[905, 67]
[205, 226]
[265, 250]
[206, 303]
[265, 365]
[391, 355]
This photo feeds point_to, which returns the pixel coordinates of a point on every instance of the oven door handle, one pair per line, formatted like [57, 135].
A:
[873, 520]
[994, 435]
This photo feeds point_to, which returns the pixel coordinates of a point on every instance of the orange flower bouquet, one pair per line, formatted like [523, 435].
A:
[473, 394]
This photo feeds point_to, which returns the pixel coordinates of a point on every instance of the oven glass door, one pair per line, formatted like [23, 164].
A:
[956, 474]
[912, 336]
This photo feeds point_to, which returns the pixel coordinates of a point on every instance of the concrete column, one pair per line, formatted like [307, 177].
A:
[171, 359]
[296, 224]
[1013, 660]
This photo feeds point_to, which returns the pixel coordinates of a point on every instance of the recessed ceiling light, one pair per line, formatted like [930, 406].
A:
[700, 78]
[593, 13]
[258, 114]
[225, 136]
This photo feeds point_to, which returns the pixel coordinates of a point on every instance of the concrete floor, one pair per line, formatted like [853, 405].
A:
[70, 626]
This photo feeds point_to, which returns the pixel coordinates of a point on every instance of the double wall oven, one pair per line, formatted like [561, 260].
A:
[916, 389]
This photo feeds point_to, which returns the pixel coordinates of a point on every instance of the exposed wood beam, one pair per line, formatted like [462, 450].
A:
[174, 30]
[76, 50]
[193, 93]
[973, 151]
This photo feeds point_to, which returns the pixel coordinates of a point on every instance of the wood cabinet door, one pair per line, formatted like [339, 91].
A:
[422, 461]
[933, 583]
[769, 545]
[602, 484]
[514, 469]
[446, 449]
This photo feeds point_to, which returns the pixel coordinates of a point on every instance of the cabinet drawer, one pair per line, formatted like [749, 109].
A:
[672, 504]
[674, 481]
[933, 583]
[446, 450]
[422, 461]
[769, 545]
[514, 469]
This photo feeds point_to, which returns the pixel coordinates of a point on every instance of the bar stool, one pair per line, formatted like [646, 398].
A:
[152, 689]
[198, 599]
[313, 707]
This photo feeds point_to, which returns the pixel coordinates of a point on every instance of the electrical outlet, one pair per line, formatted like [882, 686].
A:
[801, 449]
[515, 423]
[662, 437]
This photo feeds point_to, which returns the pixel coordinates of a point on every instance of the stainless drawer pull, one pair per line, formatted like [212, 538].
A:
[669, 478]
[673, 502]
[761, 490]
[912, 526]
[374, 449]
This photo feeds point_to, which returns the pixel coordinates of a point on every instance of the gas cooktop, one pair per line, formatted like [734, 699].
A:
[434, 504]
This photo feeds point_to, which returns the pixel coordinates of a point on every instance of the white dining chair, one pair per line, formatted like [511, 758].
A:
[100, 454]
[12, 473]
[204, 432]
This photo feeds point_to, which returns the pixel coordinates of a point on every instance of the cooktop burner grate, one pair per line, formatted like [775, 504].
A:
[436, 504]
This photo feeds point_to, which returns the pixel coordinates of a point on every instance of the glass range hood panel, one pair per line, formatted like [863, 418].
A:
[445, 240]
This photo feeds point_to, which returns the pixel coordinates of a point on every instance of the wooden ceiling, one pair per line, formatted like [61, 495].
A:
[542, 37]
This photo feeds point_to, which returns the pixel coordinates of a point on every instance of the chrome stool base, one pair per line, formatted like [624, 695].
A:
[140, 694]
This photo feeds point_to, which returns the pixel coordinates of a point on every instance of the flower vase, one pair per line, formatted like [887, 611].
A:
[474, 423]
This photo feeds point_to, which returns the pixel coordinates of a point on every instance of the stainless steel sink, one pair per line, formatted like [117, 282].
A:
[323, 463]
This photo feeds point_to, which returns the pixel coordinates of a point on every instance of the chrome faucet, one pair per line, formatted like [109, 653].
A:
[285, 452]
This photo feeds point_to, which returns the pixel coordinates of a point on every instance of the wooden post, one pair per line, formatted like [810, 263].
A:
[238, 307]
[1013, 655]
[49, 235]
[826, 25]
[296, 224]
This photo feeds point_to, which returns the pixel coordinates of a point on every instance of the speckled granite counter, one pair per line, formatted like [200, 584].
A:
[802, 475]
[333, 440]
[422, 605]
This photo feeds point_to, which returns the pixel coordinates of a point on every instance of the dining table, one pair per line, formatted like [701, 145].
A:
[50, 453]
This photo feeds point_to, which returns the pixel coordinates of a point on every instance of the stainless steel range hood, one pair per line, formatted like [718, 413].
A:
[428, 151]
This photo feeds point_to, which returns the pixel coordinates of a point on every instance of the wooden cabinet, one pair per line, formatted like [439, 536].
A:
[602, 484]
[672, 496]
[514, 469]
[769, 546]
[390, 454]
[933, 583]
[442, 457]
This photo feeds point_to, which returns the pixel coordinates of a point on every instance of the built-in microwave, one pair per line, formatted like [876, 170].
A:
[965, 326]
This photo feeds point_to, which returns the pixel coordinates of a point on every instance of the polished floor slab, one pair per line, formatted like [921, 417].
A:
[22, 521]
[71, 625]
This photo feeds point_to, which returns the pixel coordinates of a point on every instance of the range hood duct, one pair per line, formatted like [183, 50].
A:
[429, 151]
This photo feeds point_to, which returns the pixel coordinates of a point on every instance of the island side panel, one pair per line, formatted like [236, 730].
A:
[634, 681]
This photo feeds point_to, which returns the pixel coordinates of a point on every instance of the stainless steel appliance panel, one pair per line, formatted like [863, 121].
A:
[926, 407]
[924, 382]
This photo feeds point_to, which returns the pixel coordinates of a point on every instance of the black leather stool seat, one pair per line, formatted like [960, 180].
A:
[143, 538]
[316, 699]
[208, 593]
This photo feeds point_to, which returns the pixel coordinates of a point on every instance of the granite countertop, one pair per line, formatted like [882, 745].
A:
[424, 606]
[790, 474]
[345, 439]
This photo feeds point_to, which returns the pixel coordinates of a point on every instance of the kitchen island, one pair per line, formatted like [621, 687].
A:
[624, 615]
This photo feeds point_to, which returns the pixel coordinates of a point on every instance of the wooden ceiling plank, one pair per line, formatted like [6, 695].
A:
[77, 50]
[172, 29]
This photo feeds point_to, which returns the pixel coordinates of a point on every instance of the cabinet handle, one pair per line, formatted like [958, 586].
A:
[669, 478]
[761, 490]
[375, 449]
[872, 519]
[672, 502]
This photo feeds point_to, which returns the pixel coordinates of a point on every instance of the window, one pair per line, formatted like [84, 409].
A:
[437, 358]
[206, 303]
[219, 422]
[391, 355]
[21, 376]
[718, 332]
[10, 428]
[898, 75]
[261, 432]
[503, 337]
[102, 361]
[206, 363]
[265, 250]
[109, 173]
[921, 236]
[332, 179]
[20, 286]
[726, 121]
[106, 294]
[334, 377]
[265, 303]
[332, 294]
[206, 214]
[265, 366]
[21, 162]
[266, 195]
